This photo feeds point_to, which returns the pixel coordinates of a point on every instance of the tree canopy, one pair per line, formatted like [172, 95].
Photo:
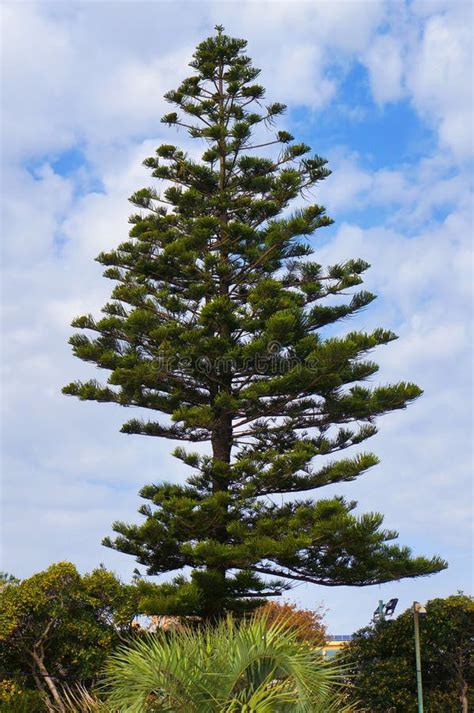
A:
[308, 623]
[58, 627]
[222, 322]
[382, 660]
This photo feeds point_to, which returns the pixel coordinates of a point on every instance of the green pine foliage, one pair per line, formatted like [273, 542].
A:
[217, 321]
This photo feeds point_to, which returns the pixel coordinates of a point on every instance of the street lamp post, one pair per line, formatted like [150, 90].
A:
[417, 610]
[381, 610]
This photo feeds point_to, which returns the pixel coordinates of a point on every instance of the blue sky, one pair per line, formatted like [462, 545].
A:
[382, 90]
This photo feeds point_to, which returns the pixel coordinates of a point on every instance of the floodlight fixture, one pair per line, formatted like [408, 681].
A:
[384, 610]
[390, 607]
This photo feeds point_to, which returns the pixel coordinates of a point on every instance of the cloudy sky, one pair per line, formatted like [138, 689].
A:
[379, 88]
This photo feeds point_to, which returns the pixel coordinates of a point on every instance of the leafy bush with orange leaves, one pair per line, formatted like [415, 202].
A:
[308, 622]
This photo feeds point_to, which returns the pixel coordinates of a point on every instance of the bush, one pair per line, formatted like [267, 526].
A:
[15, 698]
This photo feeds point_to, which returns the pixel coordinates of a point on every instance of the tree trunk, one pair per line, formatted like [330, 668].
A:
[221, 440]
[48, 681]
[40, 687]
[464, 701]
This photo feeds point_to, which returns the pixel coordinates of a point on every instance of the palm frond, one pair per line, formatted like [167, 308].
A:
[253, 666]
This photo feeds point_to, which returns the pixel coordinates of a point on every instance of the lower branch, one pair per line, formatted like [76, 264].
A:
[48, 680]
[313, 580]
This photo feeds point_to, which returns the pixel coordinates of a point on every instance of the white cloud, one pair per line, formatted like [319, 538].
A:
[74, 90]
[37, 64]
[426, 55]
[441, 79]
[411, 193]
[33, 207]
[385, 65]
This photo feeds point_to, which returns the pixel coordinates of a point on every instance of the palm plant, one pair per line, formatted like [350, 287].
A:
[252, 667]
[79, 699]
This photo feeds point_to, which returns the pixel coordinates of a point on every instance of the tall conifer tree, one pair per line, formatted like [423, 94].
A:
[218, 321]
